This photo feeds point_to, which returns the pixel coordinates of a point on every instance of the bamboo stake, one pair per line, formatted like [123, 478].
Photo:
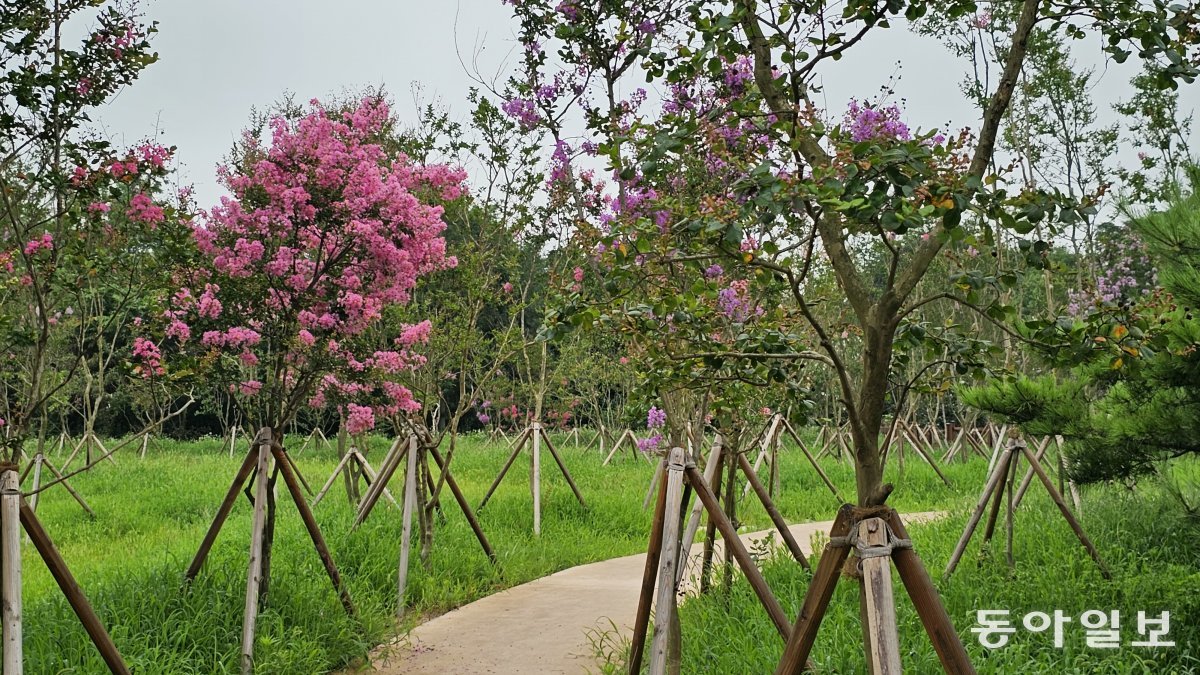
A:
[254, 575]
[10, 575]
[410, 498]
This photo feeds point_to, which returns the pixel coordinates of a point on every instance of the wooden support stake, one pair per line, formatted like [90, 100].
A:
[66, 484]
[776, 517]
[520, 444]
[734, 544]
[37, 481]
[998, 473]
[254, 576]
[462, 504]
[658, 469]
[332, 478]
[880, 605]
[693, 524]
[916, 581]
[537, 479]
[70, 589]
[391, 462]
[10, 575]
[1066, 512]
[813, 460]
[664, 605]
[563, 468]
[410, 499]
[310, 524]
[641, 620]
[222, 511]
[816, 600]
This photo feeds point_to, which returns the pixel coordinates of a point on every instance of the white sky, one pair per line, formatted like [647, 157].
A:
[220, 58]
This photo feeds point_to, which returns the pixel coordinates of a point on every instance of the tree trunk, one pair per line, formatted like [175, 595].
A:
[867, 418]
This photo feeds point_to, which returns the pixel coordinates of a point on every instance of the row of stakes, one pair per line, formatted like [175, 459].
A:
[868, 532]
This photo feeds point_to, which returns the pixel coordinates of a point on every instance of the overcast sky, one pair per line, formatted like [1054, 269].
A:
[220, 58]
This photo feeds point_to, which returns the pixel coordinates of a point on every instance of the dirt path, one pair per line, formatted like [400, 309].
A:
[541, 626]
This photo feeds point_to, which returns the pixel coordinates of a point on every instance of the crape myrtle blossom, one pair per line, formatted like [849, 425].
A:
[321, 233]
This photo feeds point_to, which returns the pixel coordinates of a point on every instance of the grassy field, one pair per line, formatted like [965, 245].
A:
[1145, 538]
[152, 514]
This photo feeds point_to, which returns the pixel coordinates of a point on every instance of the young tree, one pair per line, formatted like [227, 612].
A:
[70, 205]
[785, 186]
[323, 232]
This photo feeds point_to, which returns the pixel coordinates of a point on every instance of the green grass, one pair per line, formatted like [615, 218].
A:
[1146, 540]
[152, 514]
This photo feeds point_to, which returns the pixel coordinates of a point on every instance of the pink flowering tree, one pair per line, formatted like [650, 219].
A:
[74, 212]
[322, 234]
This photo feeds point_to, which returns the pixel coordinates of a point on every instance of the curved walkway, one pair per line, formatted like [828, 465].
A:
[542, 626]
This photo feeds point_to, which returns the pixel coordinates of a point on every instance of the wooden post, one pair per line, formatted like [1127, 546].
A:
[10, 576]
[410, 498]
[816, 600]
[668, 559]
[254, 576]
[653, 551]
[658, 469]
[537, 479]
[710, 528]
[70, 589]
[734, 545]
[998, 473]
[880, 605]
[391, 461]
[693, 524]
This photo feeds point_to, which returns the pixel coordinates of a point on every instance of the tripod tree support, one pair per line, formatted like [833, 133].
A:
[876, 535]
[662, 556]
[262, 449]
[533, 435]
[1005, 468]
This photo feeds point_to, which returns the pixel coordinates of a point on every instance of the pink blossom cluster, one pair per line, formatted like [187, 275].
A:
[148, 356]
[322, 232]
[42, 243]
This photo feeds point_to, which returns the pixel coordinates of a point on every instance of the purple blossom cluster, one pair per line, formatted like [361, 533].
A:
[1117, 283]
[649, 444]
[866, 122]
[523, 110]
[656, 418]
